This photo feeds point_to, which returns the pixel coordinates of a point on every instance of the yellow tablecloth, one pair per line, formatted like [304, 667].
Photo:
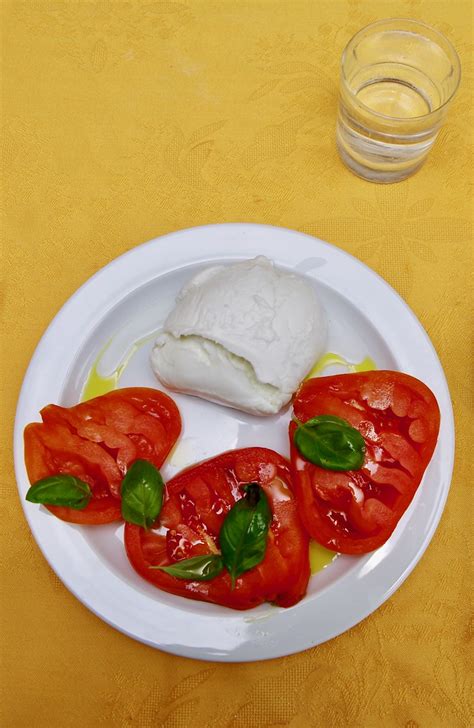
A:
[126, 120]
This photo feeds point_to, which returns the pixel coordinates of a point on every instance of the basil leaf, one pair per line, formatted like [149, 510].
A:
[60, 490]
[243, 535]
[197, 568]
[142, 494]
[331, 442]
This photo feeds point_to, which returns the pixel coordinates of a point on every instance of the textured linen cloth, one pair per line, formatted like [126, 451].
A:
[126, 120]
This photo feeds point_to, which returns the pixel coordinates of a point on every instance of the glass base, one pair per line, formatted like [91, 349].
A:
[382, 176]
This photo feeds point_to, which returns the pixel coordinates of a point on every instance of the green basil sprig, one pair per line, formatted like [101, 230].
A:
[197, 568]
[330, 442]
[142, 494]
[243, 540]
[60, 490]
[243, 535]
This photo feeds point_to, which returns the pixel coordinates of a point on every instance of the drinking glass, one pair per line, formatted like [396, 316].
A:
[398, 78]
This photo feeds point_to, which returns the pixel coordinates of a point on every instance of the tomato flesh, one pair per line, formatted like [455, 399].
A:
[355, 512]
[196, 503]
[97, 441]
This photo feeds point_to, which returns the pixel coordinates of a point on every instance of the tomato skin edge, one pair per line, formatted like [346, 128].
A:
[89, 517]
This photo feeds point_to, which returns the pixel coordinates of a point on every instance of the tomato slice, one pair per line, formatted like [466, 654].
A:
[355, 512]
[97, 441]
[196, 503]
[51, 449]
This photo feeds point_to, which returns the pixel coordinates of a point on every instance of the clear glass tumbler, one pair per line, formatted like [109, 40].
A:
[397, 80]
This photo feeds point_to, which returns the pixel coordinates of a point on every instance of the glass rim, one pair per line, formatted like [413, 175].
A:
[415, 23]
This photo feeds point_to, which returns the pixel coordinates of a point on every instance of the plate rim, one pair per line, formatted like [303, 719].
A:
[228, 253]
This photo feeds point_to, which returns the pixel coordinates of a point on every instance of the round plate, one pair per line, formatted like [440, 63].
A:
[121, 305]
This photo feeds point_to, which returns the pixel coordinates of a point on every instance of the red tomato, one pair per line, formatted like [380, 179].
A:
[196, 503]
[356, 511]
[97, 441]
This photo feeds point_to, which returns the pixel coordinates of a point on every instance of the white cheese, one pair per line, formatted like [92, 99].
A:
[244, 335]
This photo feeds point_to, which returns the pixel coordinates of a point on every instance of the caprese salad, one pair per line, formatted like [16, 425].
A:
[234, 530]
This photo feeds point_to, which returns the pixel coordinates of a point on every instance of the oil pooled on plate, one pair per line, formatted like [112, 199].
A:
[96, 383]
[330, 359]
[320, 557]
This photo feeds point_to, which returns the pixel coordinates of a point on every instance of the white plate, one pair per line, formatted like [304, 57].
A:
[125, 301]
